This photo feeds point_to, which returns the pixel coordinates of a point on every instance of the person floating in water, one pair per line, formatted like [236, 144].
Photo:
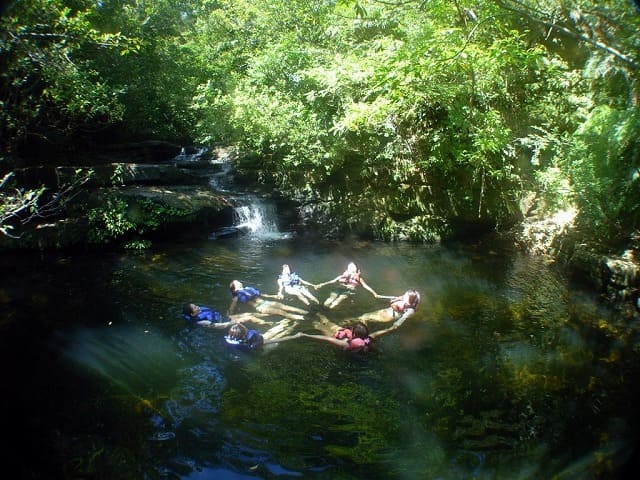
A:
[350, 279]
[207, 317]
[203, 315]
[399, 307]
[240, 337]
[354, 338]
[292, 284]
[253, 297]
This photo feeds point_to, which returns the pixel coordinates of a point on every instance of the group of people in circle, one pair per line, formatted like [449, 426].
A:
[353, 337]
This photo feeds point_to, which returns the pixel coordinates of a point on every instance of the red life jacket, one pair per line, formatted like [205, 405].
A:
[353, 343]
[350, 279]
[400, 305]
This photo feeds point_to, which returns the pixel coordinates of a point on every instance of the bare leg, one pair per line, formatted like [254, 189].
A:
[286, 314]
[280, 329]
[336, 300]
[300, 296]
[249, 317]
[330, 299]
[276, 308]
[382, 315]
[325, 325]
[307, 294]
[292, 309]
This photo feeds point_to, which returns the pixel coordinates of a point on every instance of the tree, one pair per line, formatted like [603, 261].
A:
[49, 88]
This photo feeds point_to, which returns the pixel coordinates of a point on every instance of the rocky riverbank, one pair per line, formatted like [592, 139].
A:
[125, 194]
[614, 275]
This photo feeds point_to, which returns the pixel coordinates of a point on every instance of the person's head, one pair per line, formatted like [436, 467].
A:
[352, 268]
[191, 309]
[286, 269]
[237, 331]
[360, 330]
[412, 297]
[235, 285]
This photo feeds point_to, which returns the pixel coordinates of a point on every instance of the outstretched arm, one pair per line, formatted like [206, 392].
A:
[209, 324]
[250, 317]
[304, 282]
[395, 325]
[368, 288]
[320, 285]
[284, 339]
[325, 338]
[234, 304]
[266, 295]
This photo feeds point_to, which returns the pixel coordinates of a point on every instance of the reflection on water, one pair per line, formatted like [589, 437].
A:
[506, 371]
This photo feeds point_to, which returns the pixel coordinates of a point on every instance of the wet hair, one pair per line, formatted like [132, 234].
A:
[235, 285]
[238, 331]
[189, 309]
[360, 330]
[414, 298]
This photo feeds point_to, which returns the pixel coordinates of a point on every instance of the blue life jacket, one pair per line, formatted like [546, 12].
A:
[205, 314]
[247, 293]
[293, 280]
[252, 341]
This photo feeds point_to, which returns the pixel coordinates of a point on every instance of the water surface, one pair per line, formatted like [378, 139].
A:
[508, 370]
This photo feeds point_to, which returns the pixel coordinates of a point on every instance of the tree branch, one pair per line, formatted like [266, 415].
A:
[533, 15]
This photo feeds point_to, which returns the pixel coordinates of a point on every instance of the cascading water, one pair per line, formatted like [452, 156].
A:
[256, 217]
[191, 155]
[251, 215]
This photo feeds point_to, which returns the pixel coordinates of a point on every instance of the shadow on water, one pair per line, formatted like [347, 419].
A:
[506, 371]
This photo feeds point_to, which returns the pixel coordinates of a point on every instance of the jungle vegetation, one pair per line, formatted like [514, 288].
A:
[403, 118]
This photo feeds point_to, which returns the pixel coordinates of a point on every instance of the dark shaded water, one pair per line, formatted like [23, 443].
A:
[506, 371]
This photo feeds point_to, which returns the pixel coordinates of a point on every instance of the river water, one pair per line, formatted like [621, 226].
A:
[508, 370]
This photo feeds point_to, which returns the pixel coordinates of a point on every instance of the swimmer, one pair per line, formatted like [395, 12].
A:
[292, 284]
[355, 337]
[206, 317]
[252, 297]
[242, 338]
[349, 280]
[404, 305]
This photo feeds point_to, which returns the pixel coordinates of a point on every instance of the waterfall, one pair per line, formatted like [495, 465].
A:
[222, 180]
[191, 155]
[256, 217]
[252, 215]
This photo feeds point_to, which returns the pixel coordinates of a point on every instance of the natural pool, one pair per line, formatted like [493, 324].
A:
[508, 370]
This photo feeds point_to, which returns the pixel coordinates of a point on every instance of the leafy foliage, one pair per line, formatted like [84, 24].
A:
[402, 119]
[119, 218]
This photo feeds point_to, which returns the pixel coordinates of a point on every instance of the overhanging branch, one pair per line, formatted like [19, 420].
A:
[533, 15]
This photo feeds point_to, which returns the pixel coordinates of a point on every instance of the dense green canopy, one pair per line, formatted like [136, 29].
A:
[404, 118]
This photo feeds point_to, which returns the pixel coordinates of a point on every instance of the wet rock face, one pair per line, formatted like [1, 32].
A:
[623, 284]
[617, 277]
[171, 195]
